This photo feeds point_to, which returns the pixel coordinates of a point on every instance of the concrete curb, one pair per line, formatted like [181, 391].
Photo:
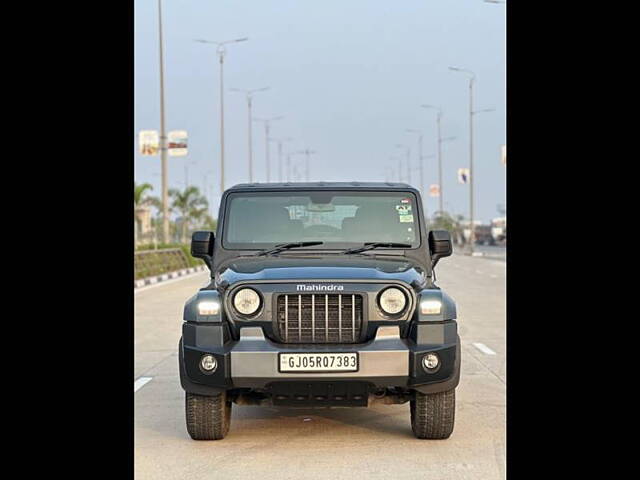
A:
[143, 282]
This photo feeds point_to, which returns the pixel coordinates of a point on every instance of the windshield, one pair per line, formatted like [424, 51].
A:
[338, 219]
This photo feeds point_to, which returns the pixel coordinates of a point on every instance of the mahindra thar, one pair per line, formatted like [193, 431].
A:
[321, 295]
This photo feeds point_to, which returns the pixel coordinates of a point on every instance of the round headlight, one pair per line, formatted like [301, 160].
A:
[392, 301]
[246, 301]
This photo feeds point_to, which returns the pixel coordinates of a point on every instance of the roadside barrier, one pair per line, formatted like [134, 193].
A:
[167, 276]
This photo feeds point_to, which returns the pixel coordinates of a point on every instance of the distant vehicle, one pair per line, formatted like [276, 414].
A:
[483, 235]
[499, 229]
[321, 295]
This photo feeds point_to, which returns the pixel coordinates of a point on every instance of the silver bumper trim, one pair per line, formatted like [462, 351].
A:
[255, 357]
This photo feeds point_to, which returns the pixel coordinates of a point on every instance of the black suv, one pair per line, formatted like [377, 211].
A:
[322, 295]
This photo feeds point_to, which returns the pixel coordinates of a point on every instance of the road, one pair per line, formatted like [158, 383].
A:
[372, 443]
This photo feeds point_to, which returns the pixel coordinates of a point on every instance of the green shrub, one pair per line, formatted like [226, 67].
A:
[152, 263]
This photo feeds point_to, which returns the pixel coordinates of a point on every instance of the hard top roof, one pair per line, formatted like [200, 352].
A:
[323, 186]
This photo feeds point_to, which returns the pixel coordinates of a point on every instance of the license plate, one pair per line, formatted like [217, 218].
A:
[319, 362]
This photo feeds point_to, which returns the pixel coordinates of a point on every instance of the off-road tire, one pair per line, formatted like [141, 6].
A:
[433, 415]
[208, 418]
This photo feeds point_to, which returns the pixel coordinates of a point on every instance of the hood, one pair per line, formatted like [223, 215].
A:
[331, 268]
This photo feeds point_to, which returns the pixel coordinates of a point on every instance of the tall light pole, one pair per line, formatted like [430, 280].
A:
[393, 169]
[267, 127]
[249, 95]
[398, 145]
[280, 141]
[472, 77]
[288, 167]
[440, 140]
[307, 152]
[163, 137]
[221, 50]
[420, 157]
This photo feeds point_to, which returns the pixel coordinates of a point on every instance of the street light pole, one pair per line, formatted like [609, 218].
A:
[472, 77]
[267, 127]
[163, 138]
[420, 157]
[408, 161]
[280, 141]
[288, 166]
[307, 153]
[221, 51]
[249, 94]
[440, 186]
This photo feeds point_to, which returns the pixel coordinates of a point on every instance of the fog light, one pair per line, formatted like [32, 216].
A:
[430, 361]
[208, 308]
[208, 363]
[430, 307]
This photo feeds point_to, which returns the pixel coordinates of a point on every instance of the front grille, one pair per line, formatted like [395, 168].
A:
[329, 318]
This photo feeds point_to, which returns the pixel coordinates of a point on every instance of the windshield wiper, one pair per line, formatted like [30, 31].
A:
[372, 245]
[287, 246]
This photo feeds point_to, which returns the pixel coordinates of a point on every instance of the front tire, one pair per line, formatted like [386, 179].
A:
[208, 418]
[433, 415]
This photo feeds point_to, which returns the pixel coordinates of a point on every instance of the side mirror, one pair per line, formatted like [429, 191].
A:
[439, 245]
[202, 247]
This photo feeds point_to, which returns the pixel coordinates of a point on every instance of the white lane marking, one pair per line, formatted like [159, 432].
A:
[480, 272]
[141, 382]
[483, 348]
[167, 282]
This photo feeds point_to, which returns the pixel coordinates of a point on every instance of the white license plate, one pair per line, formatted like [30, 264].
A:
[319, 362]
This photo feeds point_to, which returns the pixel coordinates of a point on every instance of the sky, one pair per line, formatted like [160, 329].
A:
[348, 76]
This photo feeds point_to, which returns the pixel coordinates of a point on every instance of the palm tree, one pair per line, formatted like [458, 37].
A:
[139, 197]
[190, 204]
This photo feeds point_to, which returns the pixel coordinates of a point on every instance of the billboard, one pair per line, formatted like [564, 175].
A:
[177, 143]
[434, 190]
[149, 142]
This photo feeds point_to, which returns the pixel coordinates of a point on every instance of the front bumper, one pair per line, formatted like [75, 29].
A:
[252, 362]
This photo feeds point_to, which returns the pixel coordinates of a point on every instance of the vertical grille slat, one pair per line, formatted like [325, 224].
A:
[299, 316]
[313, 319]
[353, 318]
[309, 321]
[340, 319]
[326, 316]
[286, 318]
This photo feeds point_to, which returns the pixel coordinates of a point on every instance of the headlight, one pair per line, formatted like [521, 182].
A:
[208, 308]
[246, 301]
[392, 301]
[430, 307]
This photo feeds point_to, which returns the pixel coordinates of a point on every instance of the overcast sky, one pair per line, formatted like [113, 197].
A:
[348, 75]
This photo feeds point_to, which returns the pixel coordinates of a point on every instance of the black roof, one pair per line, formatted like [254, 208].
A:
[323, 186]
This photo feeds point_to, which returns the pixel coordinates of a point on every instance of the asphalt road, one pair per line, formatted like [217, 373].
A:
[346, 443]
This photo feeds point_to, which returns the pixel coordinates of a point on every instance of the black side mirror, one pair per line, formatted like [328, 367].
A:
[202, 247]
[439, 245]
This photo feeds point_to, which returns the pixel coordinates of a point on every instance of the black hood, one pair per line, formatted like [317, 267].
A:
[321, 267]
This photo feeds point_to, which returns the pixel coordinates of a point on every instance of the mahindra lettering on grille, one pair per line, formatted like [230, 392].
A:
[320, 318]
